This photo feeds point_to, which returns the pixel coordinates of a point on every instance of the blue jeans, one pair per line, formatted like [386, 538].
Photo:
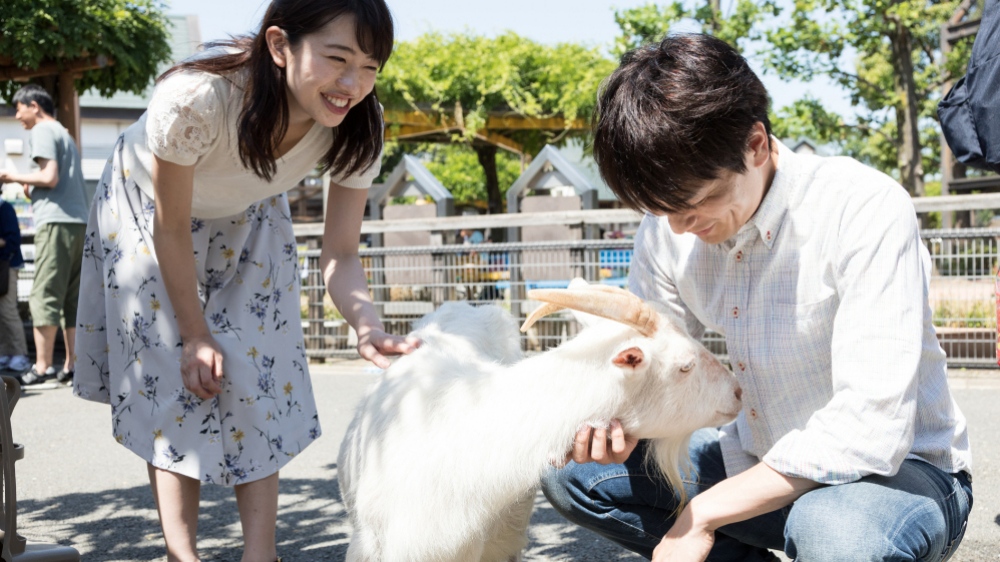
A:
[918, 514]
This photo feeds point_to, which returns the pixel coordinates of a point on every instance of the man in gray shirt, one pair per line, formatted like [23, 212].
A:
[59, 204]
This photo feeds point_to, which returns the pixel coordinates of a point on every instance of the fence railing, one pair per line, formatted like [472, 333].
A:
[408, 282]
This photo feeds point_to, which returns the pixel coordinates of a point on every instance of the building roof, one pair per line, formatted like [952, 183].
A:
[424, 182]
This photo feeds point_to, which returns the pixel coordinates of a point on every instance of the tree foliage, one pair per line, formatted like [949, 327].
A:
[132, 33]
[486, 74]
[437, 73]
[458, 168]
[896, 77]
[651, 22]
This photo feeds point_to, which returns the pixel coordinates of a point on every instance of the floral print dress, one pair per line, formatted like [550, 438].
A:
[129, 348]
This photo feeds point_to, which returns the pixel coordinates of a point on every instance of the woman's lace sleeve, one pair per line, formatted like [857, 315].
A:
[184, 117]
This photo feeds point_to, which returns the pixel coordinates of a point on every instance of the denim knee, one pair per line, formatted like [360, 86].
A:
[918, 514]
[554, 486]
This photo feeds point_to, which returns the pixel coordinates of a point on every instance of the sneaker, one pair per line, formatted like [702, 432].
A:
[19, 363]
[4, 361]
[32, 377]
[50, 372]
[65, 376]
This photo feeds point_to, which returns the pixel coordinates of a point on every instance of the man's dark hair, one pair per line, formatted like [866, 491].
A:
[37, 94]
[674, 115]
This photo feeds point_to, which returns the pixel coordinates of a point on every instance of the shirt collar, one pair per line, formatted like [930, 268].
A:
[771, 213]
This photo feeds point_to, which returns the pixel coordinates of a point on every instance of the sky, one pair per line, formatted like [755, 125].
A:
[546, 21]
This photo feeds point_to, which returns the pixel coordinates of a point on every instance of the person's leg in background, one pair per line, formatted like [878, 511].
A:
[75, 234]
[56, 266]
[13, 345]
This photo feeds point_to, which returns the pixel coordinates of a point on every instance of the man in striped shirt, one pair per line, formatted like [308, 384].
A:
[849, 446]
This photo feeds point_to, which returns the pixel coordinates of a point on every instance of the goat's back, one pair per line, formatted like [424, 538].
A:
[403, 415]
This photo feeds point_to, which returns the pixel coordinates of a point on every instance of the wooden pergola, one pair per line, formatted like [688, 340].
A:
[441, 127]
[64, 74]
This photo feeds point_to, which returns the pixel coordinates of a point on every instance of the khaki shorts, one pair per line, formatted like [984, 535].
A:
[55, 292]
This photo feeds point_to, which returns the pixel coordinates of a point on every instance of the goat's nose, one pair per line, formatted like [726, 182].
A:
[739, 393]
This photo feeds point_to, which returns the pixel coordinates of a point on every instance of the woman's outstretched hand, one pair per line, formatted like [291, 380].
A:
[376, 344]
[201, 366]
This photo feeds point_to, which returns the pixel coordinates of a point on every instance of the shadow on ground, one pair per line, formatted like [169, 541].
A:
[119, 525]
[122, 524]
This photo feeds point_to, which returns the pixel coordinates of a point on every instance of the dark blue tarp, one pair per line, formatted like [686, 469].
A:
[970, 113]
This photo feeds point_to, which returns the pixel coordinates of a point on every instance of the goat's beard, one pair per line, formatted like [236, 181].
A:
[669, 457]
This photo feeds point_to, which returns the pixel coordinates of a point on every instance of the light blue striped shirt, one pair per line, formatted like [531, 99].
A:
[823, 299]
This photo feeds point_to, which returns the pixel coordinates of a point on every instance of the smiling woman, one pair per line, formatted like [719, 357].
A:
[302, 52]
[203, 361]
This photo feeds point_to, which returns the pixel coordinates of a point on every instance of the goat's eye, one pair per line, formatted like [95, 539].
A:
[688, 367]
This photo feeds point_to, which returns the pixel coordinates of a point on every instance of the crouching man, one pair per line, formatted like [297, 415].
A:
[849, 446]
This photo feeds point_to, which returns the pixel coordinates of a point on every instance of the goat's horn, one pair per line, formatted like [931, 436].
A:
[619, 306]
[540, 313]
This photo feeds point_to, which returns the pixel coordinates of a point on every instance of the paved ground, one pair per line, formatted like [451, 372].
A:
[77, 487]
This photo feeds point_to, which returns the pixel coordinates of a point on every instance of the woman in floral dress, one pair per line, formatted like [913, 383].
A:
[189, 315]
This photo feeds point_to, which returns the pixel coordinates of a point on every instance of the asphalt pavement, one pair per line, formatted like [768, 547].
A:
[77, 487]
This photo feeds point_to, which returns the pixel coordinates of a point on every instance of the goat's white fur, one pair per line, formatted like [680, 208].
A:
[443, 457]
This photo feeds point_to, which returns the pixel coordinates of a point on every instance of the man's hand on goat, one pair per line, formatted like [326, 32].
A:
[686, 541]
[591, 445]
[374, 345]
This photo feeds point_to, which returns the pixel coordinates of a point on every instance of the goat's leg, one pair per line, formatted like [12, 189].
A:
[360, 548]
[509, 534]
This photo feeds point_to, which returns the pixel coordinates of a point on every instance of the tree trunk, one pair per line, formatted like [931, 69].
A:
[716, 7]
[911, 169]
[488, 160]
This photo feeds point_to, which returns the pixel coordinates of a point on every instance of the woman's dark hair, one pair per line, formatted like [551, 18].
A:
[672, 116]
[263, 121]
[37, 94]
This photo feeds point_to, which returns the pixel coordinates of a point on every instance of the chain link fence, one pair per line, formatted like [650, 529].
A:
[408, 282]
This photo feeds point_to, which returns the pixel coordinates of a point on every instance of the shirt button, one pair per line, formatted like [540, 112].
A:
[742, 366]
[739, 256]
[736, 312]
[753, 413]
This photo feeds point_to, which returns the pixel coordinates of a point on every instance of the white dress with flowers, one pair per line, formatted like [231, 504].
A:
[248, 274]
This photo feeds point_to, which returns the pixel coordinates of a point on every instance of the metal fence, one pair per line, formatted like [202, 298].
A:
[408, 282]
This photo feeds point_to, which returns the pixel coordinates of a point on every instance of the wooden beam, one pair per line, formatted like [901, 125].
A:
[957, 202]
[605, 216]
[417, 133]
[48, 68]
[518, 122]
[493, 122]
[68, 111]
[500, 141]
[599, 216]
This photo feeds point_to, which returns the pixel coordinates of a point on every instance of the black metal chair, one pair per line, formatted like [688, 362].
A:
[15, 548]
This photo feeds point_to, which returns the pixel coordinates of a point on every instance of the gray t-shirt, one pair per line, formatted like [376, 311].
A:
[67, 201]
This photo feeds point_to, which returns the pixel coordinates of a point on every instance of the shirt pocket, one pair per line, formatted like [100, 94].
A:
[798, 339]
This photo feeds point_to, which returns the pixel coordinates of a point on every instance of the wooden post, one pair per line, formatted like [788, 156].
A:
[441, 283]
[517, 293]
[68, 112]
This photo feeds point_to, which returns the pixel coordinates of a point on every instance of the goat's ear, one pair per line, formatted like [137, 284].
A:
[632, 358]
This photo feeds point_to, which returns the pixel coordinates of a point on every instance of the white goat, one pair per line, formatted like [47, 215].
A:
[443, 458]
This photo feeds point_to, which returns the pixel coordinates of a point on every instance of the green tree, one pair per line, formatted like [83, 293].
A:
[651, 22]
[474, 77]
[131, 35]
[899, 67]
